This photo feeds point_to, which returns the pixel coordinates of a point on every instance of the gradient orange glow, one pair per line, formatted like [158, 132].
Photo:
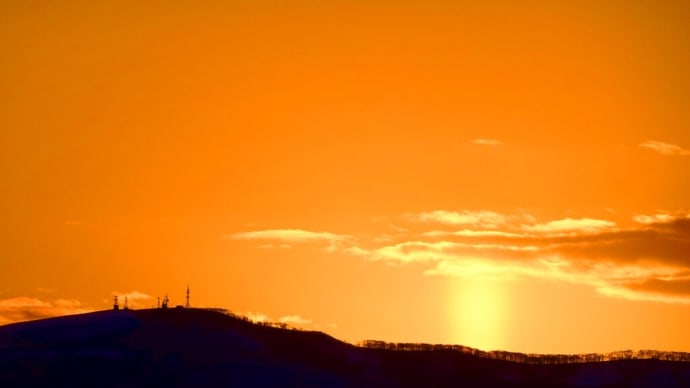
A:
[503, 175]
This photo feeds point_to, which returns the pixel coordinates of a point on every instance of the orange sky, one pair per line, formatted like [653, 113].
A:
[503, 175]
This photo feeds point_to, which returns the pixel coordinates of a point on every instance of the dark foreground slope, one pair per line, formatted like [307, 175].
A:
[195, 347]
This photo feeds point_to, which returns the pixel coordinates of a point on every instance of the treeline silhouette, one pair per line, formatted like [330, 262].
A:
[278, 325]
[531, 358]
[494, 354]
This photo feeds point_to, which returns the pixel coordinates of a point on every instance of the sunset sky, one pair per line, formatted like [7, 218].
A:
[502, 175]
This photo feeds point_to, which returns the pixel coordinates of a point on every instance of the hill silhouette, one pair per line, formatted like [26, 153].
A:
[205, 347]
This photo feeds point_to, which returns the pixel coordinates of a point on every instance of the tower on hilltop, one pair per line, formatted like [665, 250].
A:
[187, 304]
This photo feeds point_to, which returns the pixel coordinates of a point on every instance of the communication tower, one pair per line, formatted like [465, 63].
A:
[116, 305]
[187, 304]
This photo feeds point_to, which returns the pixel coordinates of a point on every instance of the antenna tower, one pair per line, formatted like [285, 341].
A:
[187, 304]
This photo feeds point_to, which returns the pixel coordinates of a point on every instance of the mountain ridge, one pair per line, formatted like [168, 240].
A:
[187, 347]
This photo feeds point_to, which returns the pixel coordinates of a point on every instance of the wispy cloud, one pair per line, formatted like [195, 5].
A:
[24, 308]
[481, 218]
[656, 218]
[665, 148]
[289, 238]
[422, 251]
[565, 225]
[289, 235]
[645, 261]
[471, 233]
[275, 246]
[292, 320]
[295, 320]
[486, 142]
[257, 317]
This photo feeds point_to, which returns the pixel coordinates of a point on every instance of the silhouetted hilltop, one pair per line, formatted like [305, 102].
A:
[198, 347]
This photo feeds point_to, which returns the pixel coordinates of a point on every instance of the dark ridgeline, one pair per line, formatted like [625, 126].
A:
[210, 347]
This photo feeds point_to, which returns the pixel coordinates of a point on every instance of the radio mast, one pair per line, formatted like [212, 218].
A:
[187, 304]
